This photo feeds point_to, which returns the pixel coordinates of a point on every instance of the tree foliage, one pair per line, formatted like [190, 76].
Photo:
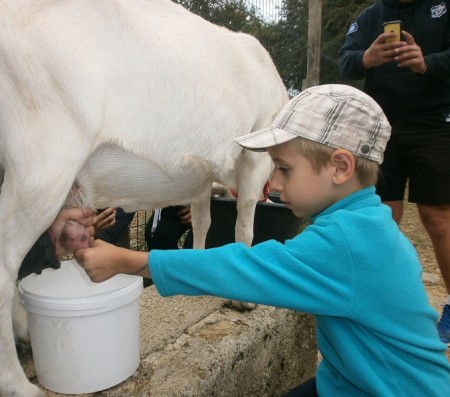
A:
[337, 15]
[237, 15]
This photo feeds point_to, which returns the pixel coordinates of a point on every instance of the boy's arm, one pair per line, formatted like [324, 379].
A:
[104, 261]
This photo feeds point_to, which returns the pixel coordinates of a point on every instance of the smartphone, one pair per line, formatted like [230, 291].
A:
[393, 26]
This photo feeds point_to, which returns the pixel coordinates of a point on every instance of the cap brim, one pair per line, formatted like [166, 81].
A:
[260, 141]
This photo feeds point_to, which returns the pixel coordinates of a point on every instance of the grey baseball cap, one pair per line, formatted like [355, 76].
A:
[336, 115]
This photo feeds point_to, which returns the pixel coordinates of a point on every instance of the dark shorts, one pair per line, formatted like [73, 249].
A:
[417, 154]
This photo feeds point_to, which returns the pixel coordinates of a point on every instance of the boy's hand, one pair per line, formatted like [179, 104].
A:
[100, 261]
[104, 260]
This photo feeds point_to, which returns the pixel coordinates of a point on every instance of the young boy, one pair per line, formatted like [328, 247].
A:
[352, 267]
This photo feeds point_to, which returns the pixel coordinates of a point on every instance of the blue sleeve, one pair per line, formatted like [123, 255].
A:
[305, 274]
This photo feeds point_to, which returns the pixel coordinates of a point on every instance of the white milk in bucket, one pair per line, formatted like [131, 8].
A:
[84, 336]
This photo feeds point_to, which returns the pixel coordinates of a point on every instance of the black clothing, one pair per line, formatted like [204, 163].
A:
[41, 256]
[115, 233]
[168, 231]
[400, 92]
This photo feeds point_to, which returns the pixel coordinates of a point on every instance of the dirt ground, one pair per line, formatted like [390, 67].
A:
[414, 230]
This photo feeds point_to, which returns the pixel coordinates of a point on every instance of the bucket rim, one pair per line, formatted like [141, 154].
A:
[103, 301]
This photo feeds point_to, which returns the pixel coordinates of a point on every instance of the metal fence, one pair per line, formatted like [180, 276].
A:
[286, 39]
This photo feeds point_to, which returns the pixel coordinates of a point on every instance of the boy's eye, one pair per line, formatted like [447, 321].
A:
[283, 170]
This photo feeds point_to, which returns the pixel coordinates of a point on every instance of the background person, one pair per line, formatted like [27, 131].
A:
[167, 225]
[111, 223]
[410, 79]
[345, 267]
[163, 230]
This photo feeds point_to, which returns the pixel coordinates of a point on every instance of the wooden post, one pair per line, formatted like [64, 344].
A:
[314, 36]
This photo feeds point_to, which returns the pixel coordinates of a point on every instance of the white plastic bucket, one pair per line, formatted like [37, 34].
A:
[84, 336]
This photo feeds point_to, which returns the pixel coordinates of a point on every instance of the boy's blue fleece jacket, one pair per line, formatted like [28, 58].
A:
[361, 278]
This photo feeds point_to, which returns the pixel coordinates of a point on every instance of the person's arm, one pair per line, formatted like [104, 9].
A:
[364, 48]
[437, 63]
[107, 260]
[351, 53]
[235, 271]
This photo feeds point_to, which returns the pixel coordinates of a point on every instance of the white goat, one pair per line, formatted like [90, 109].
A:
[136, 100]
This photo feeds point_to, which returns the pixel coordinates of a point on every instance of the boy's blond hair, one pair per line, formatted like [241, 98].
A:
[319, 154]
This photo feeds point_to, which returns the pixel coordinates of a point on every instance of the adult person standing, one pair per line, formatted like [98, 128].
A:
[410, 79]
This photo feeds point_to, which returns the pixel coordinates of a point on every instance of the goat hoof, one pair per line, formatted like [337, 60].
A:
[243, 306]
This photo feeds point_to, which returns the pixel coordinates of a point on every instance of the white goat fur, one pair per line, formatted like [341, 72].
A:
[138, 100]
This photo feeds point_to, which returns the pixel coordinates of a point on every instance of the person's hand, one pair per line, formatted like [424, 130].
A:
[72, 222]
[104, 219]
[100, 261]
[184, 214]
[381, 52]
[104, 260]
[410, 55]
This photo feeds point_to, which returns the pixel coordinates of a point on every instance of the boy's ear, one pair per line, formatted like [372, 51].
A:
[343, 163]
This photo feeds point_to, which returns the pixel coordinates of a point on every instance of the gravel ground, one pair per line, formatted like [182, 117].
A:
[414, 230]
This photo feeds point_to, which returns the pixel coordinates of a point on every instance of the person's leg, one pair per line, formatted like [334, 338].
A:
[397, 209]
[307, 389]
[436, 220]
[391, 185]
[430, 189]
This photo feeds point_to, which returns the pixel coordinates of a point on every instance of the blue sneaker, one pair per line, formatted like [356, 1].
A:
[443, 325]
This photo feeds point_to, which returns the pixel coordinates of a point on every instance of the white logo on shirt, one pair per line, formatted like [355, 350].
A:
[353, 28]
[438, 11]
